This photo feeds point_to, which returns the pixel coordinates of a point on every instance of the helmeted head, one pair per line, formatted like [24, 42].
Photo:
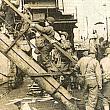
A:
[93, 36]
[50, 20]
[64, 34]
[92, 50]
[85, 53]
[101, 39]
[107, 51]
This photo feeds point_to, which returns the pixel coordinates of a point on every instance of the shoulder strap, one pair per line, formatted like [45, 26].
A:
[87, 65]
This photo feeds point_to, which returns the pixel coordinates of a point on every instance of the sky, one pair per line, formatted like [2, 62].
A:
[90, 12]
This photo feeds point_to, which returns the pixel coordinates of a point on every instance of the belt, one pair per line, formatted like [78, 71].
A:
[90, 77]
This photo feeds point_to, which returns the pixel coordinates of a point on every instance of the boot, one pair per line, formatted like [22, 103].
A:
[106, 104]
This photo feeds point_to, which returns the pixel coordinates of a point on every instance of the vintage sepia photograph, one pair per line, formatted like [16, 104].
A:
[54, 54]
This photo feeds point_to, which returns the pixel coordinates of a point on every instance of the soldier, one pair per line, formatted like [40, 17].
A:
[90, 70]
[100, 49]
[9, 17]
[67, 46]
[49, 31]
[9, 29]
[105, 65]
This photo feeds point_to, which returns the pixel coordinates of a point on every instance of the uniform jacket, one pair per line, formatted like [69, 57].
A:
[46, 30]
[105, 65]
[9, 16]
[90, 68]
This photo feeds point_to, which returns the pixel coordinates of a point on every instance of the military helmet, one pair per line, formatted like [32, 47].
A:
[92, 50]
[85, 53]
[94, 36]
[50, 20]
[65, 34]
[107, 51]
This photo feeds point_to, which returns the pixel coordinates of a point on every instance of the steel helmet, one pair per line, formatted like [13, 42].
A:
[94, 36]
[92, 50]
[65, 34]
[85, 53]
[50, 20]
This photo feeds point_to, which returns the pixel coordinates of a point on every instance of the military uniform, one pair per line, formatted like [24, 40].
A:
[105, 65]
[90, 69]
[47, 47]
[9, 26]
[9, 18]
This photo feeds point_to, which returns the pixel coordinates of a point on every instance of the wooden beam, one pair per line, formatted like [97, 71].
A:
[30, 22]
[29, 66]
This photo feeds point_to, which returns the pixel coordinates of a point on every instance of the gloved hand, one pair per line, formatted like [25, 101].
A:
[53, 41]
[32, 24]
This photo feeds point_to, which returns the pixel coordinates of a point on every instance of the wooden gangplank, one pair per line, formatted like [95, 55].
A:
[29, 66]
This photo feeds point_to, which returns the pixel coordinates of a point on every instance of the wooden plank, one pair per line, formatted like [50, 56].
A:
[50, 74]
[30, 22]
[4, 67]
[29, 66]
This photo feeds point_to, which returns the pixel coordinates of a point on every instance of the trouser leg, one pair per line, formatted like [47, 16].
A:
[45, 54]
[89, 108]
[12, 69]
[105, 104]
[92, 98]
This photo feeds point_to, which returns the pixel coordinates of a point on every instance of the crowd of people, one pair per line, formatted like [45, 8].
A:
[96, 77]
